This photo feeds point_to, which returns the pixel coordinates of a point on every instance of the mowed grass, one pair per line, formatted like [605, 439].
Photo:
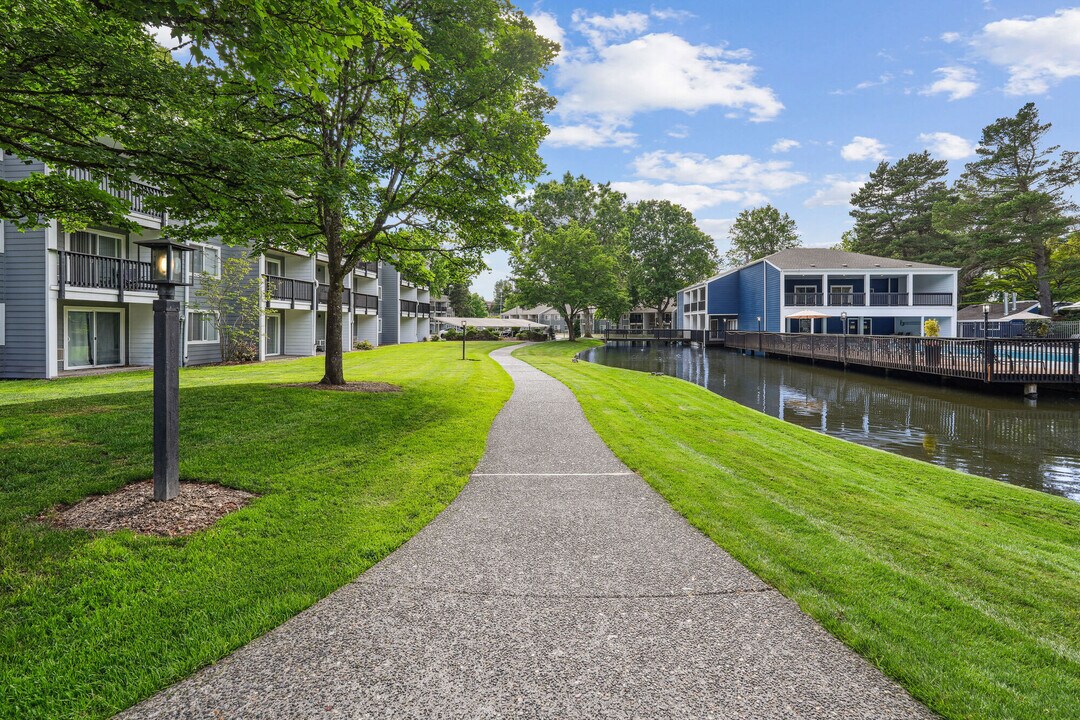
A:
[964, 589]
[92, 623]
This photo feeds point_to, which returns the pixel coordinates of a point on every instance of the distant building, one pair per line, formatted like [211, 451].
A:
[879, 296]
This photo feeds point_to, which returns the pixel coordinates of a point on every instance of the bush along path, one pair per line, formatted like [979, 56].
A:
[963, 589]
[558, 584]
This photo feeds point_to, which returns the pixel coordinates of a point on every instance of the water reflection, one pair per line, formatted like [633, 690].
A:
[1036, 445]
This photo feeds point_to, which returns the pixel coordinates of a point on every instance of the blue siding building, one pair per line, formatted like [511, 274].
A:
[874, 295]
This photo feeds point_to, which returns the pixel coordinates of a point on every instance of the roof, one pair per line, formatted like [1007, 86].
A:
[801, 258]
[972, 313]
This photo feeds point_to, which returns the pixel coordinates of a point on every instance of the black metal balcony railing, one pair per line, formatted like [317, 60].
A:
[368, 268]
[888, 299]
[133, 192]
[363, 301]
[289, 290]
[324, 293]
[94, 271]
[804, 299]
[932, 298]
[423, 308]
[847, 298]
[408, 307]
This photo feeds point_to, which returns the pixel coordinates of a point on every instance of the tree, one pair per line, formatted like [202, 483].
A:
[557, 203]
[233, 301]
[893, 211]
[1022, 278]
[758, 232]
[475, 306]
[83, 86]
[667, 252]
[458, 295]
[568, 269]
[393, 161]
[1012, 207]
[503, 289]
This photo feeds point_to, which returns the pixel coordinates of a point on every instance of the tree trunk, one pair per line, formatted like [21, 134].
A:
[569, 320]
[586, 323]
[334, 372]
[1042, 279]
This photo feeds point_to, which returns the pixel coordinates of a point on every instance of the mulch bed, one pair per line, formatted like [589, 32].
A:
[132, 507]
[362, 387]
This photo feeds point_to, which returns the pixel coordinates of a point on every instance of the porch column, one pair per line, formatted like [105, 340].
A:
[866, 293]
[910, 290]
[825, 290]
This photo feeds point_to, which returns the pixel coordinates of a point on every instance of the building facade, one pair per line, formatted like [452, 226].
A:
[82, 301]
[876, 296]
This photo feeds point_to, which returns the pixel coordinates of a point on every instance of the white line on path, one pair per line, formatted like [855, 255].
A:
[540, 474]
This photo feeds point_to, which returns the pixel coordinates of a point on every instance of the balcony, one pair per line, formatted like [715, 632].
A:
[96, 272]
[324, 294]
[371, 269]
[363, 302]
[932, 298]
[135, 193]
[804, 299]
[888, 299]
[285, 289]
[424, 309]
[846, 299]
[408, 307]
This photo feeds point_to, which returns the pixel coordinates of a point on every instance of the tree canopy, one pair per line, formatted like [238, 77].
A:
[758, 232]
[667, 251]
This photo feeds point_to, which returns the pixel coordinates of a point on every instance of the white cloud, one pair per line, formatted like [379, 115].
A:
[163, 36]
[956, 81]
[590, 135]
[692, 196]
[716, 228]
[836, 190]
[661, 71]
[671, 14]
[950, 37]
[1036, 52]
[602, 29]
[548, 26]
[679, 132]
[732, 172]
[863, 148]
[946, 145]
[784, 144]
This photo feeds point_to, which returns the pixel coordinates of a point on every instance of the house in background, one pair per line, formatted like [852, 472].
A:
[878, 296]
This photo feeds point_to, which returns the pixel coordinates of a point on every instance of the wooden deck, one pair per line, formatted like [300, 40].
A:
[1009, 360]
[660, 336]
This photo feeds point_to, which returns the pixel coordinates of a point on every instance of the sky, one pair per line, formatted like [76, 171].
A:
[721, 105]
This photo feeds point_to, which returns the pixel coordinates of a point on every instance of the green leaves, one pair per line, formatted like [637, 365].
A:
[758, 232]
[667, 252]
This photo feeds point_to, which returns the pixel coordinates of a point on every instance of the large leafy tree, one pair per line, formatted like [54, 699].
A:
[667, 252]
[1022, 278]
[568, 269]
[391, 160]
[760, 231]
[893, 211]
[84, 85]
[557, 203]
[503, 289]
[1012, 205]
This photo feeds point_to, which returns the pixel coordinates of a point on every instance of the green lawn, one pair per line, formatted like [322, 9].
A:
[965, 590]
[90, 624]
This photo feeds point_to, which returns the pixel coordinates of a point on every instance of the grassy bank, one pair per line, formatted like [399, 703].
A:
[965, 590]
[90, 624]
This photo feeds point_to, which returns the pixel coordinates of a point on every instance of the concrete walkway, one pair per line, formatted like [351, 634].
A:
[557, 585]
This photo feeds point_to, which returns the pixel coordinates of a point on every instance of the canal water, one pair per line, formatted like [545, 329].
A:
[1023, 442]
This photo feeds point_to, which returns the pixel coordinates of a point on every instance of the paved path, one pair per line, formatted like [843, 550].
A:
[557, 585]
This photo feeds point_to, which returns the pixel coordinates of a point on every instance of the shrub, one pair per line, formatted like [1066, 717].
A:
[1037, 328]
[363, 345]
[931, 328]
[245, 352]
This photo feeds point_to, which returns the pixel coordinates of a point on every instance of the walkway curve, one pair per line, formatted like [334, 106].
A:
[557, 585]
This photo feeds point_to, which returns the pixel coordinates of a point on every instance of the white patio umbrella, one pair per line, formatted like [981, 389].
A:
[1023, 315]
[810, 315]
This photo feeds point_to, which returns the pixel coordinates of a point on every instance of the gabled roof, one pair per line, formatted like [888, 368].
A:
[801, 258]
[997, 311]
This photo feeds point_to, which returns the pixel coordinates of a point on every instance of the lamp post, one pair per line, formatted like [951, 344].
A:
[843, 321]
[464, 327]
[986, 319]
[987, 360]
[167, 272]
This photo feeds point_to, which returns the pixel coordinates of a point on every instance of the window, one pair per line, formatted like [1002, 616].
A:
[205, 259]
[93, 243]
[201, 328]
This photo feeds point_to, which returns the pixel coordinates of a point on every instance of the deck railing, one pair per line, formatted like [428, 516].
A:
[932, 298]
[654, 334]
[1015, 360]
[408, 307]
[370, 269]
[288, 290]
[363, 301]
[324, 295]
[423, 308]
[134, 192]
[888, 299]
[94, 271]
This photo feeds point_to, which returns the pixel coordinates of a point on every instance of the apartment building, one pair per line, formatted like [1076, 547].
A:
[82, 301]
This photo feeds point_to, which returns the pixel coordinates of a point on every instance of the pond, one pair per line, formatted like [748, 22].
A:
[1035, 444]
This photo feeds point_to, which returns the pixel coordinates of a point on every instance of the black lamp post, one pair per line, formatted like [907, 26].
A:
[843, 321]
[167, 272]
[464, 327]
[986, 320]
[759, 323]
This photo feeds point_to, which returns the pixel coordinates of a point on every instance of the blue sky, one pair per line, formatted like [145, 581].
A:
[724, 105]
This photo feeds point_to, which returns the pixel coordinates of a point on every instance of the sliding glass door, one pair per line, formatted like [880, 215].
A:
[94, 338]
